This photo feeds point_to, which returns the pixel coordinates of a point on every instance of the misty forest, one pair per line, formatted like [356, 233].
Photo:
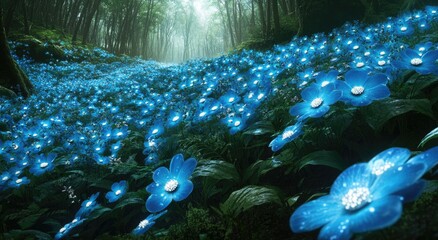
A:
[218, 119]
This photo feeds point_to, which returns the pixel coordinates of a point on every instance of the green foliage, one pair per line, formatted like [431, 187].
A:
[243, 199]
[323, 158]
[431, 135]
[216, 169]
[380, 112]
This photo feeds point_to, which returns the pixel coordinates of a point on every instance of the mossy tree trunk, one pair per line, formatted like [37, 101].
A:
[13, 81]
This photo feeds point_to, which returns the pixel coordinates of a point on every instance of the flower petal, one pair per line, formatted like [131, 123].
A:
[358, 175]
[378, 92]
[310, 93]
[156, 203]
[378, 214]
[375, 80]
[187, 169]
[355, 77]
[430, 56]
[277, 143]
[397, 178]
[429, 158]
[338, 229]
[333, 97]
[155, 188]
[314, 214]
[412, 192]
[299, 109]
[389, 158]
[183, 191]
[161, 175]
[176, 164]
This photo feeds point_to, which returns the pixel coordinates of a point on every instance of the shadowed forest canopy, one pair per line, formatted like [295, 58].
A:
[178, 30]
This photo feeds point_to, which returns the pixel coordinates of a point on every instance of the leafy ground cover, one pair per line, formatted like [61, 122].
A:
[269, 131]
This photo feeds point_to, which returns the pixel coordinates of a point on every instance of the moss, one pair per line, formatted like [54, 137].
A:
[199, 225]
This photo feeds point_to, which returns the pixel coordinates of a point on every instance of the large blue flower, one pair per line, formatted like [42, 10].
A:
[421, 63]
[170, 185]
[118, 189]
[366, 196]
[317, 101]
[359, 89]
[87, 206]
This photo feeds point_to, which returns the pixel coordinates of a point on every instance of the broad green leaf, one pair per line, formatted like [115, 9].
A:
[325, 158]
[27, 234]
[378, 113]
[29, 221]
[257, 169]
[243, 199]
[130, 201]
[216, 169]
[260, 128]
[433, 134]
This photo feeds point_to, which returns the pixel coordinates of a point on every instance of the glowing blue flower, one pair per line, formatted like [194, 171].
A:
[289, 134]
[366, 196]
[359, 89]
[43, 164]
[316, 103]
[147, 223]
[155, 131]
[118, 189]
[64, 231]
[229, 98]
[16, 182]
[87, 206]
[170, 185]
[422, 64]
[324, 79]
[174, 119]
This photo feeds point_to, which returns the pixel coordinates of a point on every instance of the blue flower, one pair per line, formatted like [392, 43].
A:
[422, 64]
[87, 206]
[118, 189]
[289, 134]
[170, 185]
[324, 79]
[316, 103]
[43, 164]
[16, 182]
[366, 196]
[147, 223]
[359, 89]
[67, 228]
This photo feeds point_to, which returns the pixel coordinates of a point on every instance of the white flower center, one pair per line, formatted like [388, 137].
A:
[118, 192]
[403, 29]
[44, 164]
[18, 181]
[380, 166]
[324, 83]
[88, 203]
[287, 134]
[357, 90]
[231, 99]
[236, 123]
[171, 185]
[62, 229]
[202, 114]
[416, 61]
[143, 223]
[5, 178]
[174, 119]
[356, 198]
[360, 64]
[155, 131]
[381, 62]
[316, 102]
[214, 108]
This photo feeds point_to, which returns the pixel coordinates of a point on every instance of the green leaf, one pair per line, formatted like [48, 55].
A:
[260, 128]
[378, 113]
[325, 158]
[257, 169]
[129, 201]
[243, 199]
[216, 169]
[29, 221]
[433, 134]
[27, 234]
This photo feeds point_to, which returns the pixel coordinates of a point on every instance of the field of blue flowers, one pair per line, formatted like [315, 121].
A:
[333, 131]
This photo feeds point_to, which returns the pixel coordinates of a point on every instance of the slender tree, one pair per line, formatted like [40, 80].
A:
[13, 81]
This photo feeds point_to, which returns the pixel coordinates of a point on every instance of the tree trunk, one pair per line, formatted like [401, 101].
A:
[88, 20]
[12, 78]
[26, 22]
[276, 17]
